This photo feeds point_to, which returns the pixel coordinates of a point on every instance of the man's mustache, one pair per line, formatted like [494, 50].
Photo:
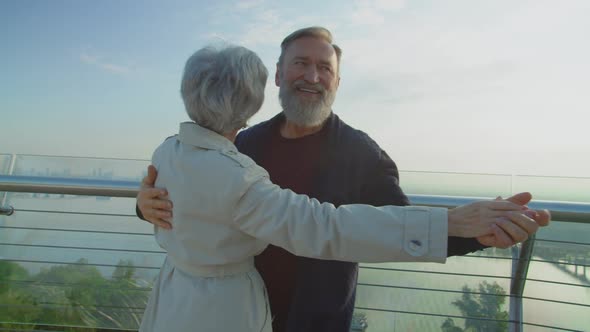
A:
[304, 85]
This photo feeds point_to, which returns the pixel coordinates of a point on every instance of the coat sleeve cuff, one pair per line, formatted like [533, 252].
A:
[426, 235]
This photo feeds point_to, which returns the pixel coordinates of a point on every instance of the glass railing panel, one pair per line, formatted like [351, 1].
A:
[87, 168]
[557, 291]
[5, 163]
[431, 290]
[567, 189]
[455, 184]
[552, 188]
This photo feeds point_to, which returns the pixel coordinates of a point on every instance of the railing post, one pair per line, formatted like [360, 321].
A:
[521, 258]
[10, 171]
[4, 210]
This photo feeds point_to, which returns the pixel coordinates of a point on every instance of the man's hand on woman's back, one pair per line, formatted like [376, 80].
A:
[152, 202]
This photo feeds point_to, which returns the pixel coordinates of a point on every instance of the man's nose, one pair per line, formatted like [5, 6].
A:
[312, 75]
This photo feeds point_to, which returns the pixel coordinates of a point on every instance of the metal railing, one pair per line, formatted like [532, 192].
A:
[521, 255]
[572, 212]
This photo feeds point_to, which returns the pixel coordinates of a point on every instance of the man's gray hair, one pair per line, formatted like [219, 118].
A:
[314, 32]
[222, 87]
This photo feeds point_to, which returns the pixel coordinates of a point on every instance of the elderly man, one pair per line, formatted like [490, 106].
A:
[308, 149]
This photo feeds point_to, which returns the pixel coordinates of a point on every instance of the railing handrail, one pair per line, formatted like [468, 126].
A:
[518, 175]
[68, 186]
[562, 211]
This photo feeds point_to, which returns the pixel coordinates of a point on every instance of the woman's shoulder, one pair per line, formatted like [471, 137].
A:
[212, 172]
[229, 164]
[244, 165]
[238, 159]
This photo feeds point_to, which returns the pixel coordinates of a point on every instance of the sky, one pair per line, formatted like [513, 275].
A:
[446, 86]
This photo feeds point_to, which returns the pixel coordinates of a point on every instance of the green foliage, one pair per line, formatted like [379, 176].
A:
[10, 271]
[17, 312]
[487, 304]
[71, 297]
[449, 326]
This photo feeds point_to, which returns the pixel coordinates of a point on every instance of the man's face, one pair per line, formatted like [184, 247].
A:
[308, 80]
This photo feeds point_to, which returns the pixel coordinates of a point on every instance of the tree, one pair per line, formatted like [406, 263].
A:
[75, 297]
[449, 326]
[10, 272]
[487, 303]
[17, 307]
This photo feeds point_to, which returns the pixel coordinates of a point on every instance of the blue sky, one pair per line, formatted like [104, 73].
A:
[466, 86]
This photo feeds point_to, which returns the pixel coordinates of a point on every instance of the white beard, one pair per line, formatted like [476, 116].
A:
[305, 113]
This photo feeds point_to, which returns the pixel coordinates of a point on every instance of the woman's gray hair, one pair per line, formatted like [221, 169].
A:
[222, 87]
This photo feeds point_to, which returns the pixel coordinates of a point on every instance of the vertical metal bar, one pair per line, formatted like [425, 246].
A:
[515, 303]
[10, 171]
[520, 268]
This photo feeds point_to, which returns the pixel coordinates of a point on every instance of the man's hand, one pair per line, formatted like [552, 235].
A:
[518, 226]
[152, 201]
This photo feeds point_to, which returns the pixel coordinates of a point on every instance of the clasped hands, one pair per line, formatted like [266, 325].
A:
[498, 223]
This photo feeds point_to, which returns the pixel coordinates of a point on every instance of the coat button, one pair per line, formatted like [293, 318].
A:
[415, 245]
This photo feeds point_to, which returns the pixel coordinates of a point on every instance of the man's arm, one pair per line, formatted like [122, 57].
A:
[382, 187]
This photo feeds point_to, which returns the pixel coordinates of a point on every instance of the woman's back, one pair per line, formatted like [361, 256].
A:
[204, 179]
[208, 282]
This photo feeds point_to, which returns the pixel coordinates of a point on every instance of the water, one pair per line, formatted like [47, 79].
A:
[437, 302]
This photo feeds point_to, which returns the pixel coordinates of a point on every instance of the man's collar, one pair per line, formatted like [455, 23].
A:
[193, 134]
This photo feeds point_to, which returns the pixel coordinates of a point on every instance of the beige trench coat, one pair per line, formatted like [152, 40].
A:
[226, 211]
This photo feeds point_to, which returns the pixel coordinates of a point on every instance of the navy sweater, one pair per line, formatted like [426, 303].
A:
[352, 169]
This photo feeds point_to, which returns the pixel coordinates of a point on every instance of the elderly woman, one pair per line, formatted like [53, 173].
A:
[226, 211]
